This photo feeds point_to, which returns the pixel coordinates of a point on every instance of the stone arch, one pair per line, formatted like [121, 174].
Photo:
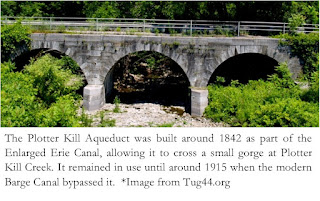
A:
[156, 94]
[35, 51]
[20, 59]
[98, 71]
[245, 67]
[127, 49]
[55, 48]
[278, 54]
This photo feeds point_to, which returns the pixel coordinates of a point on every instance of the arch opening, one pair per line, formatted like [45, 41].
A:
[26, 57]
[245, 67]
[148, 77]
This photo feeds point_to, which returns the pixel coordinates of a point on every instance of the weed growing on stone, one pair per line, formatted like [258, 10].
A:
[166, 125]
[156, 31]
[106, 122]
[86, 121]
[151, 124]
[116, 102]
[175, 43]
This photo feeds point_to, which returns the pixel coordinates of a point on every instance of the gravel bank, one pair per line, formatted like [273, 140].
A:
[151, 115]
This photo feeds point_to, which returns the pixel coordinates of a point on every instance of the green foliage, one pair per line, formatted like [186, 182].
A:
[173, 32]
[295, 12]
[282, 79]
[101, 9]
[85, 120]
[156, 31]
[175, 43]
[14, 38]
[296, 20]
[208, 10]
[151, 61]
[61, 29]
[61, 113]
[43, 93]
[116, 102]
[51, 80]
[308, 9]
[220, 80]
[286, 112]
[9, 8]
[69, 64]
[312, 94]
[19, 104]
[40, 95]
[166, 125]
[306, 47]
[145, 9]
[106, 122]
[276, 102]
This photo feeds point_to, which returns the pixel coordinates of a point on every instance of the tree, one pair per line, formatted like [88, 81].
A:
[101, 9]
[43, 94]
[14, 39]
[51, 80]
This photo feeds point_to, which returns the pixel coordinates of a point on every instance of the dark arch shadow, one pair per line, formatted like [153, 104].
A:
[148, 77]
[245, 67]
[26, 57]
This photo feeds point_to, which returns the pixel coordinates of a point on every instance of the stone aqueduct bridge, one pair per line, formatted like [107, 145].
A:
[198, 58]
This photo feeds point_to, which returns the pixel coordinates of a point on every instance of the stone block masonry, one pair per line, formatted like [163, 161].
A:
[198, 57]
[93, 97]
[199, 101]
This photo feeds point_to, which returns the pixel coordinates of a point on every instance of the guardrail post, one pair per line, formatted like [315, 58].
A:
[284, 28]
[238, 28]
[97, 24]
[190, 27]
[144, 25]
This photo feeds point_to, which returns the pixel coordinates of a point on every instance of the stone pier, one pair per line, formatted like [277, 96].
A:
[93, 97]
[199, 101]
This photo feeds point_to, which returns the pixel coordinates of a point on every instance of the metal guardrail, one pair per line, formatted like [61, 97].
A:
[186, 27]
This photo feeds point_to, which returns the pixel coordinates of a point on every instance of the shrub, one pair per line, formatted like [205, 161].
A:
[116, 102]
[62, 113]
[19, 104]
[295, 21]
[40, 95]
[68, 63]
[106, 122]
[156, 31]
[51, 80]
[14, 38]
[85, 120]
[276, 102]
[312, 94]
[43, 94]
[306, 47]
[286, 112]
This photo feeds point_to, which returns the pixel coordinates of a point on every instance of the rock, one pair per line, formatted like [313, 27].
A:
[151, 115]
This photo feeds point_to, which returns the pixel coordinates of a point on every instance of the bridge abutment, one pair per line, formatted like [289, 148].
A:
[93, 97]
[199, 101]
